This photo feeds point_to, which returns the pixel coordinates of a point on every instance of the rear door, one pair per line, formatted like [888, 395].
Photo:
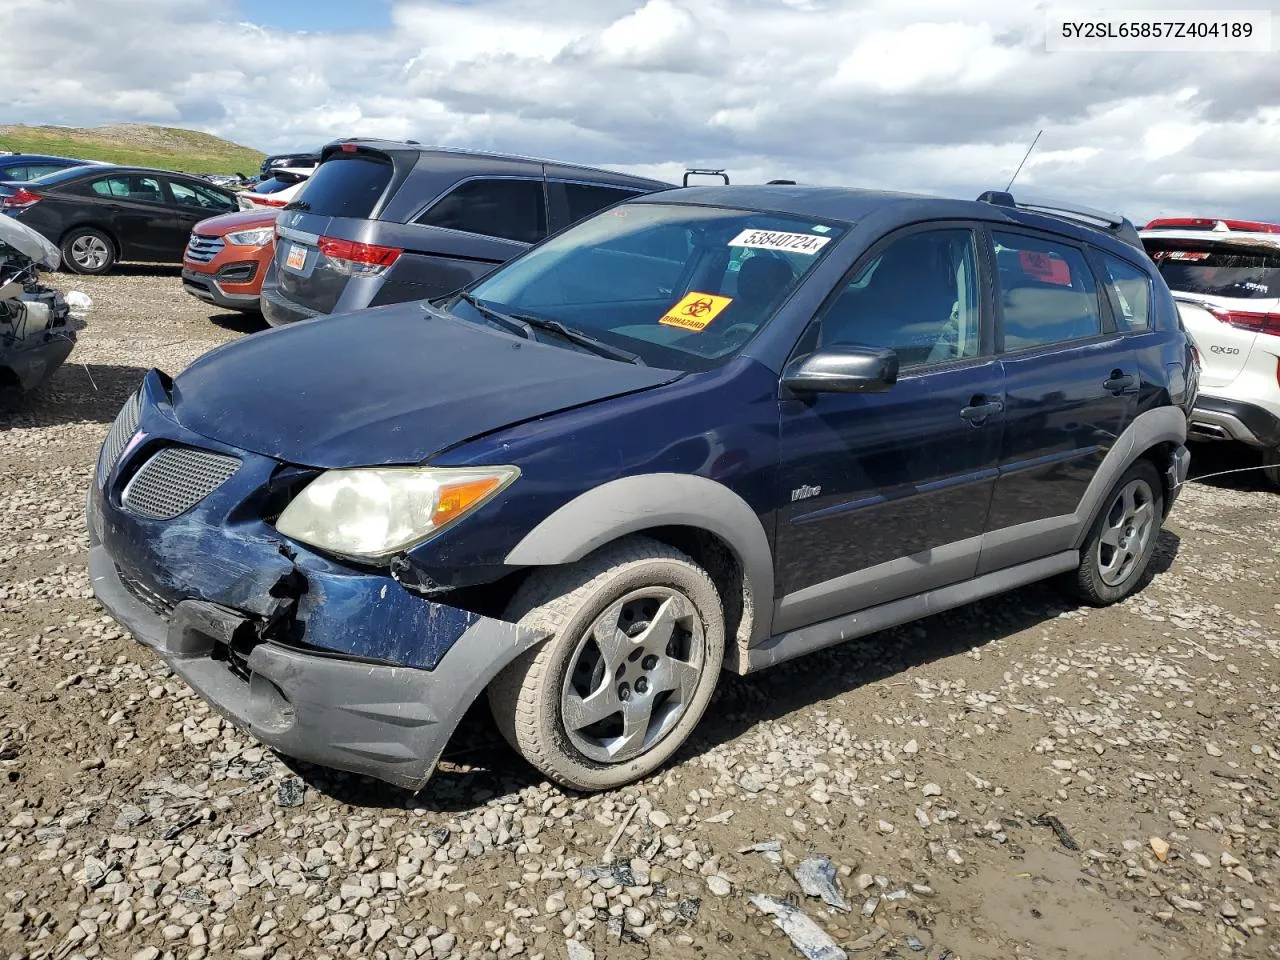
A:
[1071, 387]
[136, 208]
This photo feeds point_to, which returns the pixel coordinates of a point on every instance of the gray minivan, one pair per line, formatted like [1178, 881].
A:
[388, 221]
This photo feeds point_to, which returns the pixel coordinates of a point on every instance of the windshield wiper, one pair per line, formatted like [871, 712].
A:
[296, 205]
[525, 324]
[598, 347]
[517, 324]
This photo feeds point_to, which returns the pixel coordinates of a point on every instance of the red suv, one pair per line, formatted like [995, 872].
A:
[227, 257]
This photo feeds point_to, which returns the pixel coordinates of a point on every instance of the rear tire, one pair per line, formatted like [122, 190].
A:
[1271, 461]
[1117, 554]
[88, 251]
[636, 646]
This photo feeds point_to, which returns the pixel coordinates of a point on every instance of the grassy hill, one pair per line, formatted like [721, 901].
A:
[170, 148]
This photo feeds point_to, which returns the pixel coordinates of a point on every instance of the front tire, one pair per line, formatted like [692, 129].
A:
[88, 251]
[635, 648]
[1117, 554]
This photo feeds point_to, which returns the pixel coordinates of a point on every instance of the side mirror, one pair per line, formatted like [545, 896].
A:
[843, 369]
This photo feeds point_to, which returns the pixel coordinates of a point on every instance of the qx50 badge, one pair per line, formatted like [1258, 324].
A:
[805, 492]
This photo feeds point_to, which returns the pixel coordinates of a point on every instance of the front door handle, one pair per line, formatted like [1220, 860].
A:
[980, 408]
[1119, 381]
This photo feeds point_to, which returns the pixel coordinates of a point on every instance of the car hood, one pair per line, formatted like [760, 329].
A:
[242, 220]
[394, 384]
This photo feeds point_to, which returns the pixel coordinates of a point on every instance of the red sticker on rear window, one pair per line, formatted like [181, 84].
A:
[1186, 255]
[1045, 267]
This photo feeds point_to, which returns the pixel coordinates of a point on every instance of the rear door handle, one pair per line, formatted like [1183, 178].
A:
[980, 408]
[1119, 382]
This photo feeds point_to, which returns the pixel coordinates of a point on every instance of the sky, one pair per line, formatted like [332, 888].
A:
[921, 95]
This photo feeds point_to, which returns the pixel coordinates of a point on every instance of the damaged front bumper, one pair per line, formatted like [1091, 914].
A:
[335, 666]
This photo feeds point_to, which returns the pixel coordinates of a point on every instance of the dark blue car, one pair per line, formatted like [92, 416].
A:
[710, 429]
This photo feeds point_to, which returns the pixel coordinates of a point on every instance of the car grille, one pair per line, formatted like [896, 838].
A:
[122, 428]
[203, 249]
[146, 596]
[175, 480]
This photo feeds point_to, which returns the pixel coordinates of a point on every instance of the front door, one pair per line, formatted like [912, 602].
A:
[886, 495]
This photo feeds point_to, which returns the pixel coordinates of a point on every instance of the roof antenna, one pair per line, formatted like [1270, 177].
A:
[1024, 160]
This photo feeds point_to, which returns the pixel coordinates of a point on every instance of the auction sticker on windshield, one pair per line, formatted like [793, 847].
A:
[297, 257]
[695, 311]
[777, 240]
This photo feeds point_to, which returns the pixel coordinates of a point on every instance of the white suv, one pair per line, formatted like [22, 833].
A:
[1225, 275]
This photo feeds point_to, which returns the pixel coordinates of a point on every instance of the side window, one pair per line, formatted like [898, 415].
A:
[35, 170]
[1131, 288]
[1047, 292]
[918, 296]
[190, 195]
[508, 209]
[16, 173]
[585, 199]
[112, 187]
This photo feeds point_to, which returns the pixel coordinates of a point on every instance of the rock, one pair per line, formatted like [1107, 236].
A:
[931, 790]
[954, 856]
[146, 953]
[555, 903]
[1160, 848]
[1228, 861]
[885, 827]
[577, 950]
[869, 939]
[1229, 910]
[922, 818]
[443, 945]
[1183, 904]
[1201, 860]
[659, 819]
[718, 885]
[911, 748]
[1212, 749]
[750, 783]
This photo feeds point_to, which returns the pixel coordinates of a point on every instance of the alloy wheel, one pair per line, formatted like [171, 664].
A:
[90, 252]
[633, 675]
[1129, 526]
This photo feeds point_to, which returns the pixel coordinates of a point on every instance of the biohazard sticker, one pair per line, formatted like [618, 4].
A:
[777, 240]
[695, 311]
[1045, 267]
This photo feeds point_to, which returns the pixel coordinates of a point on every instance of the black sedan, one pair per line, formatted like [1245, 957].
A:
[99, 216]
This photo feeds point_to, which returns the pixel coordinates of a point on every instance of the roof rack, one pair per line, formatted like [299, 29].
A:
[1114, 223]
[696, 172]
[781, 183]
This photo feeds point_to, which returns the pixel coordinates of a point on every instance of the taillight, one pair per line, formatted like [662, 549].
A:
[21, 199]
[1247, 320]
[362, 259]
[268, 202]
[1195, 356]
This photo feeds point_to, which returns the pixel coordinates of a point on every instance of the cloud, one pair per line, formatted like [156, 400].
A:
[898, 94]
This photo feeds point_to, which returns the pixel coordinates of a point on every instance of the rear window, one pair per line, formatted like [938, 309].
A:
[584, 199]
[348, 186]
[270, 186]
[1251, 275]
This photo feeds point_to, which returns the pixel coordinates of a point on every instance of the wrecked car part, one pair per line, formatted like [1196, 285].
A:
[37, 331]
[809, 938]
[817, 878]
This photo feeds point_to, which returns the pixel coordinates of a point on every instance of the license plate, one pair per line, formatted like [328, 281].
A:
[297, 257]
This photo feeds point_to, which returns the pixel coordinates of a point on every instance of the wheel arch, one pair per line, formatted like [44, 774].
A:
[1153, 435]
[705, 519]
[93, 225]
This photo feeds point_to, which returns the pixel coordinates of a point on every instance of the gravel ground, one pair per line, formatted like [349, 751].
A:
[1019, 778]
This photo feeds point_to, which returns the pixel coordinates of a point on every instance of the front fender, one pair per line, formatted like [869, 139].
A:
[638, 503]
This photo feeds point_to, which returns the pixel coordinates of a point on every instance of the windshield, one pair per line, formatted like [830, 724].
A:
[1220, 272]
[682, 287]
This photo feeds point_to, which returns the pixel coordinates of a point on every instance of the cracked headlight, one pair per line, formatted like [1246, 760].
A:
[372, 513]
